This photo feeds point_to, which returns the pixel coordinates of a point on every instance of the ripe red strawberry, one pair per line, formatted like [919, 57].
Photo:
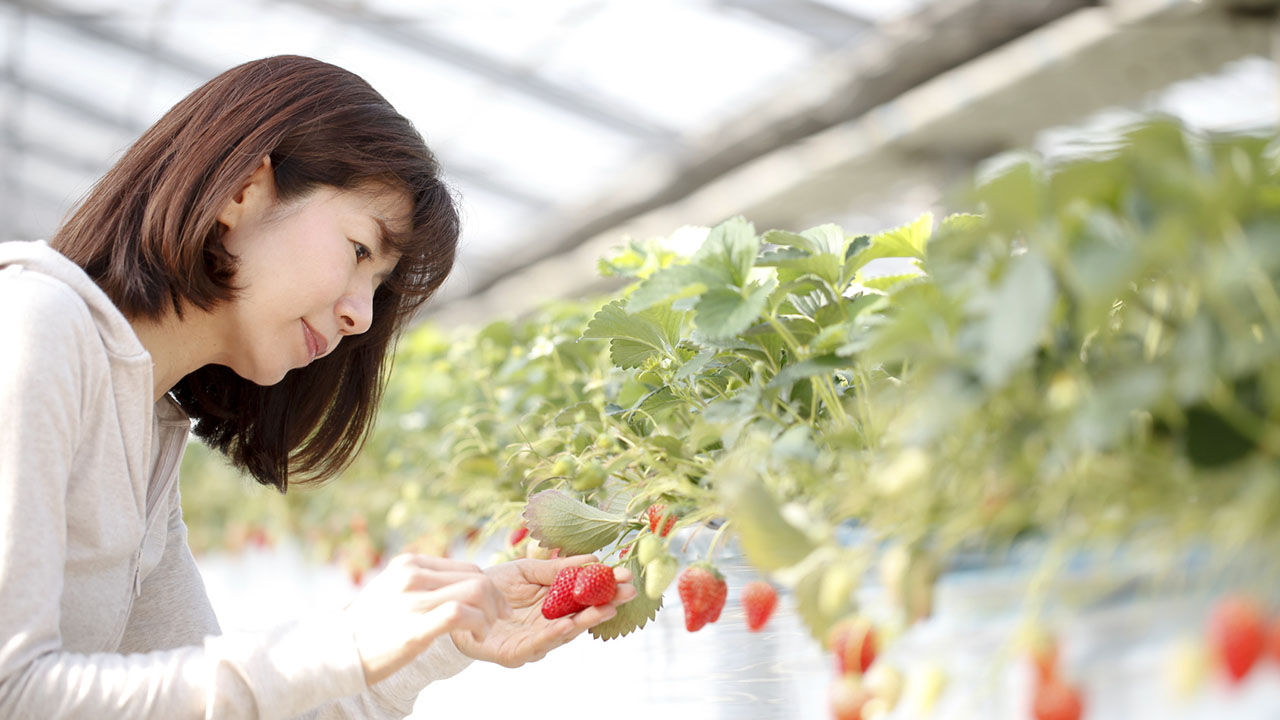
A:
[595, 585]
[1273, 639]
[1236, 630]
[1043, 649]
[517, 535]
[703, 592]
[655, 513]
[1056, 700]
[853, 642]
[559, 601]
[758, 601]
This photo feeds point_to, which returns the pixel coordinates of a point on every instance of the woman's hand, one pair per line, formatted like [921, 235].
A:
[415, 600]
[525, 635]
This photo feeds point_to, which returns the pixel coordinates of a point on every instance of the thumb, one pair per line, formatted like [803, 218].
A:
[544, 571]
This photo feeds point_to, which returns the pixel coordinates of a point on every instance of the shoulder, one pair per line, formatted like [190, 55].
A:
[43, 310]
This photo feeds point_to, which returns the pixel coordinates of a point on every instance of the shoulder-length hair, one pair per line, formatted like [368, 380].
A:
[148, 234]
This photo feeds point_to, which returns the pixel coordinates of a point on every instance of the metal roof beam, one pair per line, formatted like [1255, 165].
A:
[512, 77]
[829, 26]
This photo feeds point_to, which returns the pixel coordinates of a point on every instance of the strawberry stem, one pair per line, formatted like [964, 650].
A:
[711, 549]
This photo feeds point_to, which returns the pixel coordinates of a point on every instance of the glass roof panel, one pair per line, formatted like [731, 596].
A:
[682, 64]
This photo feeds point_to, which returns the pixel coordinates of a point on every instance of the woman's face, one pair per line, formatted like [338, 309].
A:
[307, 271]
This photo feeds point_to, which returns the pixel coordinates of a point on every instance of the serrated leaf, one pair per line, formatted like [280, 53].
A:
[558, 521]
[673, 283]
[885, 283]
[632, 615]
[907, 241]
[724, 313]
[659, 400]
[823, 239]
[826, 266]
[959, 223]
[634, 338]
[695, 364]
[731, 247]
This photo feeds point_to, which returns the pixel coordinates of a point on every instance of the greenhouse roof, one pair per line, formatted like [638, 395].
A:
[555, 120]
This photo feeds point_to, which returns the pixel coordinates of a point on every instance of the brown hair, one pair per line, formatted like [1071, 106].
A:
[148, 235]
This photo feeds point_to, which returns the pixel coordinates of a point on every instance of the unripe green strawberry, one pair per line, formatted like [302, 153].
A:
[589, 477]
[565, 467]
[648, 548]
[758, 601]
[658, 574]
[703, 592]
[595, 584]
[559, 601]
[535, 551]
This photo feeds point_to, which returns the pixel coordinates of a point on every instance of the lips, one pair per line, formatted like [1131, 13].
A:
[316, 344]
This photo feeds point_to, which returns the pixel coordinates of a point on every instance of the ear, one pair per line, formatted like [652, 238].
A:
[257, 194]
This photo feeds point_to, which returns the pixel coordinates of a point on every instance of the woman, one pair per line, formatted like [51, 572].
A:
[243, 269]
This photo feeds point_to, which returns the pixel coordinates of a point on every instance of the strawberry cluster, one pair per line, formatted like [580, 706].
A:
[579, 587]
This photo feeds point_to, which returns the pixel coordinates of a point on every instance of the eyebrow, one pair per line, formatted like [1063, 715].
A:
[384, 235]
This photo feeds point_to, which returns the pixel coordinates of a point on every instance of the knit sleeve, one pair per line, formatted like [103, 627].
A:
[45, 375]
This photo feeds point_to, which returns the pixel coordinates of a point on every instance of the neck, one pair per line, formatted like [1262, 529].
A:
[178, 346]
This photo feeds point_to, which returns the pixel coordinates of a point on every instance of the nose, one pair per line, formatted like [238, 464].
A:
[355, 311]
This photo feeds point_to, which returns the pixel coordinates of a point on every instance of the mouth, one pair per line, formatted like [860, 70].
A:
[316, 344]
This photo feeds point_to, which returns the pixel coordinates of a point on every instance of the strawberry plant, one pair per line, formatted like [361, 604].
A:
[1087, 361]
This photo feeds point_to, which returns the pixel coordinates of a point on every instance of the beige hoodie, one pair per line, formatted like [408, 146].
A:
[102, 611]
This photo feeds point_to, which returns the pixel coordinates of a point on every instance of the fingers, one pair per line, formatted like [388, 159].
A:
[543, 572]
[428, 562]
[478, 592]
[453, 615]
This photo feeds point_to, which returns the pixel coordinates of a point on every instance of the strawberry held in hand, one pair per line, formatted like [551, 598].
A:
[703, 592]
[758, 601]
[560, 601]
[594, 585]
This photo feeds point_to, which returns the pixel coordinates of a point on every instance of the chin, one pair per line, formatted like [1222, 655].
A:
[264, 377]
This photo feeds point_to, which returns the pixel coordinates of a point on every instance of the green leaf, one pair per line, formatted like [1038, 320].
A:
[634, 338]
[824, 365]
[1017, 314]
[885, 283]
[769, 541]
[674, 283]
[731, 247]
[632, 615]
[724, 313]
[825, 266]
[695, 364]
[556, 520]
[907, 241]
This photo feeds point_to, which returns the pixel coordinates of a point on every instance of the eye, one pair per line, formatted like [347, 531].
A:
[362, 252]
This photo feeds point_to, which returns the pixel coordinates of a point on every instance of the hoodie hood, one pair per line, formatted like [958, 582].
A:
[36, 256]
